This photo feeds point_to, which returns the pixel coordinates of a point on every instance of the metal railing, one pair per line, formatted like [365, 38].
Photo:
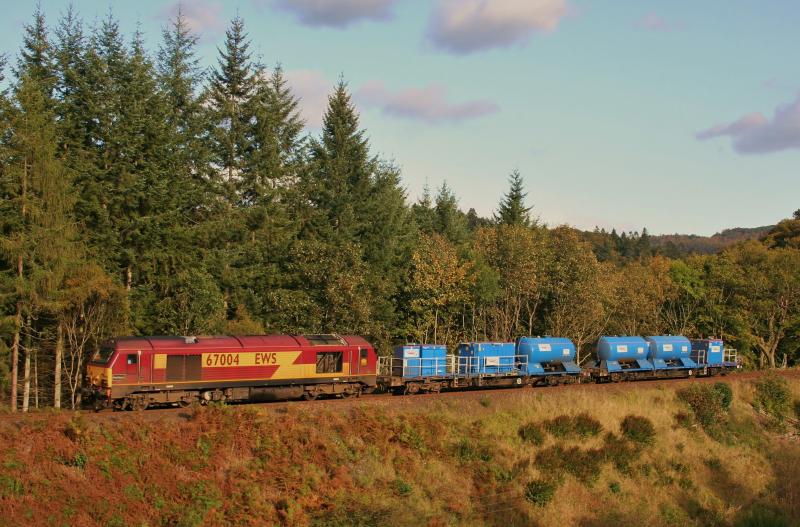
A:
[453, 365]
[730, 356]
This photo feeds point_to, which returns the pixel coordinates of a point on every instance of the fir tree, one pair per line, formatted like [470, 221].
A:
[340, 174]
[450, 222]
[512, 210]
[232, 86]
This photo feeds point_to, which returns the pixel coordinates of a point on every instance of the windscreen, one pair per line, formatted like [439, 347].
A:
[104, 353]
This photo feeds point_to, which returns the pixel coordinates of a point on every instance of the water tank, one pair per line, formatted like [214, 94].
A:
[546, 349]
[668, 347]
[621, 348]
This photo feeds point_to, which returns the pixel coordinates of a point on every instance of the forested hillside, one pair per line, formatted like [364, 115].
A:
[142, 194]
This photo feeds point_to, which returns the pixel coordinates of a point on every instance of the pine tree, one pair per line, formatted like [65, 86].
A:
[340, 173]
[35, 58]
[512, 210]
[232, 86]
[423, 213]
[450, 222]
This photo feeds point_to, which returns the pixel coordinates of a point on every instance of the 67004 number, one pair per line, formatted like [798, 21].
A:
[222, 359]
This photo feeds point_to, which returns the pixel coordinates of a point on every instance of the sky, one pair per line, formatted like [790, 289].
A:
[679, 116]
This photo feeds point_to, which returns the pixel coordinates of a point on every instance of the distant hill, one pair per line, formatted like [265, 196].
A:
[682, 244]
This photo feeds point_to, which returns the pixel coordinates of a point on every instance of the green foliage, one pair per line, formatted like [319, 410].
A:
[638, 429]
[614, 487]
[707, 403]
[402, 488]
[725, 394]
[773, 397]
[760, 516]
[569, 427]
[532, 433]
[540, 492]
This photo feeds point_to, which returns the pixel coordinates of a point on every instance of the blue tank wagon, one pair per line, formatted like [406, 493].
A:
[670, 352]
[550, 359]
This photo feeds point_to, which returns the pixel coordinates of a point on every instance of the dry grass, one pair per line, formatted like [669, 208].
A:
[444, 461]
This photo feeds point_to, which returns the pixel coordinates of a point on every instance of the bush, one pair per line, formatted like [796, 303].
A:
[706, 403]
[773, 396]
[614, 487]
[532, 433]
[560, 426]
[580, 426]
[725, 393]
[638, 429]
[540, 492]
[402, 488]
[584, 426]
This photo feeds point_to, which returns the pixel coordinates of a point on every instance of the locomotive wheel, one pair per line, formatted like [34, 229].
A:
[310, 396]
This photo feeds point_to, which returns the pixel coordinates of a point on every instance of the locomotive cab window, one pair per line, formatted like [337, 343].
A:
[133, 358]
[329, 362]
[363, 357]
[104, 353]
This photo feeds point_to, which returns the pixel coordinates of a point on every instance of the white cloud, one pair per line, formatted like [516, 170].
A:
[756, 134]
[467, 26]
[428, 104]
[204, 18]
[336, 13]
[312, 88]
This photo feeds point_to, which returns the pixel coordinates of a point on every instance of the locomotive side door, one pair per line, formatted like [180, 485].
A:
[133, 367]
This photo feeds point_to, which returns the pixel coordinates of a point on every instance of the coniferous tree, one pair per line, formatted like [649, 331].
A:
[423, 213]
[450, 222]
[340, 172]
[232, 86]
[512, 210]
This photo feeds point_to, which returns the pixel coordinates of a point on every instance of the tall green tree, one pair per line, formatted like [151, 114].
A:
[512, 209]
[232, 86]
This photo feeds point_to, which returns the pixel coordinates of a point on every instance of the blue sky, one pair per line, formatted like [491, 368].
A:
[678, 116]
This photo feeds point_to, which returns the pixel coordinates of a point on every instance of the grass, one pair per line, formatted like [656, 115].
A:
[591, 457]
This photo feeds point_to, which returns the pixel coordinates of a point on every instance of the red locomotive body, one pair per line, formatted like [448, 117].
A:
[136, 372]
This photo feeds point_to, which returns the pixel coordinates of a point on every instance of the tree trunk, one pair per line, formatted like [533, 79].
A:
[36, 380]
[57, 367]
[26, 382]
[15, 358]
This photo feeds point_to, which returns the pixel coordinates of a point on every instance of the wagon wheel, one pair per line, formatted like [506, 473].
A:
[138, 404]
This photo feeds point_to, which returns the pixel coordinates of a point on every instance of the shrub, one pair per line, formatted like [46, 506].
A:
[580, 426]
[638, 429]
[402, 488]
[714, 463]
[540, 492]
[560, 426]
[614, 487]
[584, 425]
[706, 404]
[773, 396]
[725, 393]
[532, 432]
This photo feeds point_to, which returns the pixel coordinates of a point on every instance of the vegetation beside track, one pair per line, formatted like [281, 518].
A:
[658, 454]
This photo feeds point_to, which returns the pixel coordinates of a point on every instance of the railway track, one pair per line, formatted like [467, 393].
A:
[385, 399]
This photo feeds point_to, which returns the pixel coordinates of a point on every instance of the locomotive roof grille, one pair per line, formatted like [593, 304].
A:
[325, 340]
